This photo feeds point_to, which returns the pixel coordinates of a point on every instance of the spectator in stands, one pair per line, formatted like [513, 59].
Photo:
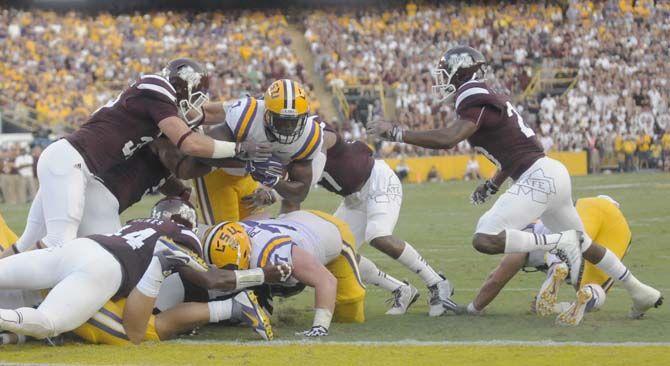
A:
[433, 175]
[23, 163]
[629, 148]
[472, 169]
[402, 170]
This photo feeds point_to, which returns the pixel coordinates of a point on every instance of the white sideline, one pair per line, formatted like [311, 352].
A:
[413, 342]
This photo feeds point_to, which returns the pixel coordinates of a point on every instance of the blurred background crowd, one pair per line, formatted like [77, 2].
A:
[585, 75]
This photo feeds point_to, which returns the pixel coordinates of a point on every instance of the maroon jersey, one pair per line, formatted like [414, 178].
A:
[115, 131]
[133, 179]
[348, 166]
[501, 133]
[133, 246]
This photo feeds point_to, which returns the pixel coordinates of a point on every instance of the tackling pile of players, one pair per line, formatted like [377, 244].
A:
[75, 268]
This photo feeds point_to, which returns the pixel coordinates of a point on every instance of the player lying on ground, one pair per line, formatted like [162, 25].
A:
[85, 273]
[371, 206]
[605, 223]
[281, 119]
[304, 239]
[168, 103]
[541, 189]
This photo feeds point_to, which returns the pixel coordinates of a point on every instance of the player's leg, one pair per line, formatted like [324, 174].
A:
[63, 177]
[34, 231]
[101, 211]
[85, 276]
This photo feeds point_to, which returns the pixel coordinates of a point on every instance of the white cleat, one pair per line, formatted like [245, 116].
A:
[440, 298]
[644, 298]
[403, 297]
[574, 314]
[546, 298]
[569, 249]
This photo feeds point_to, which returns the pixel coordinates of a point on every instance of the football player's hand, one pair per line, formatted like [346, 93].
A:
[252, 150]
[385, 130]
[186, 194]
[316, 331]
[483, 192]
[276, 273]
[268, 172]
[260, 199]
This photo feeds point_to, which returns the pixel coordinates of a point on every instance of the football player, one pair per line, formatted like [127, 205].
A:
[371, 206]
[85, 273]
[131, 320]
[169, 103]
[281, 118]
[605, 223]
[541, 188]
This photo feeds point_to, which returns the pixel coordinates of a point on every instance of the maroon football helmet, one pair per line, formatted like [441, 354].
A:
[457, 66]
[175, 209]
[191, 82]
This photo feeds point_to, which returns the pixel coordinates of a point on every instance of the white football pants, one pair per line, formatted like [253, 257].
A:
[373, 211]
[70, 202]
[543, 191]
[83, 277]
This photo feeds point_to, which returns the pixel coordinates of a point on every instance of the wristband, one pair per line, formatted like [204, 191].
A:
[322, 318]
[182, 138]
[249, 278]
[223, 149]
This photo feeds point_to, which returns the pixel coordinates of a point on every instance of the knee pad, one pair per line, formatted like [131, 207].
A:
[599, 297]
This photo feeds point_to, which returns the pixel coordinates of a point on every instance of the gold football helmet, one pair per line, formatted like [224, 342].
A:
[228, 246]
[286, 109]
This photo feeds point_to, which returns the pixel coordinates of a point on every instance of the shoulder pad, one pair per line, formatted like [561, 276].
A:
[240, 116]
[312, 144]
[156, 86]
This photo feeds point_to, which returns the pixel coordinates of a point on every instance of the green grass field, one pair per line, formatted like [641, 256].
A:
[438, 220]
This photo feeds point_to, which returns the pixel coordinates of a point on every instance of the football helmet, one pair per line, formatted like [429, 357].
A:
[229, 246]
[286, 109]
[175, 209]
[457, 66]
[191, 83]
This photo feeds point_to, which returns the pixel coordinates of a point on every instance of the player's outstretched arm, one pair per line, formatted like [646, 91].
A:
[215, 113]
[309, 271]
[443, 138]
[508, 267]
[224, 279]
[296, 187]
[136, 314]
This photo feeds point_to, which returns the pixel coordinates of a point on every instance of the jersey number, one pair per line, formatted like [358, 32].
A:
[130, 147]
[527, 131]
[136, 238]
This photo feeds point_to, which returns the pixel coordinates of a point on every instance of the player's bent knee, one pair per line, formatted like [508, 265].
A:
[485, 243]
[388, 245]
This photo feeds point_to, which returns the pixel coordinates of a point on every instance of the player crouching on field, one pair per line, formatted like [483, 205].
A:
[606, 224]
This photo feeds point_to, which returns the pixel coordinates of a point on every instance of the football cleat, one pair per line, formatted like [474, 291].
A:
[569, 250]
[246, 304]
[546, 298]
[644, 298]
[575, 313]
[403, 297]
[440, 298]
[172, 255]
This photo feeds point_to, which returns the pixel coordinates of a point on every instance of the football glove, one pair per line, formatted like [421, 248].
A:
[252, 150]
[315, 331]
[260, 199]
[483, 192]
[385, 131]
[268, 173]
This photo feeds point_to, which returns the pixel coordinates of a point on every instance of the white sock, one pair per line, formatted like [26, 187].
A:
[599, 297]
[151, 281]
[373, 275]
[613, 266]
[517, 241]
[220, 310]
[412, 260]
[27, 321]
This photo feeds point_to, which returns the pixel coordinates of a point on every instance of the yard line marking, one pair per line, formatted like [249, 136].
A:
[413, 342]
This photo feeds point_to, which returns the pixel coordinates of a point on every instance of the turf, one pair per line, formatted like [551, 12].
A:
[438, 220]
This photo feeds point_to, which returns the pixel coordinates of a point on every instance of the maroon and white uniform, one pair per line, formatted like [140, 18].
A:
[371, 190]
[133, 246]
[84, 274]
[69, 168]
[541, 188]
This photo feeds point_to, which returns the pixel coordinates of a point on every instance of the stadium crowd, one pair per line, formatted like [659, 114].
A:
[617, 49]
[66, 65]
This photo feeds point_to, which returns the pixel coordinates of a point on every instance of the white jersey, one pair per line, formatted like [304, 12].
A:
[245, 118]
